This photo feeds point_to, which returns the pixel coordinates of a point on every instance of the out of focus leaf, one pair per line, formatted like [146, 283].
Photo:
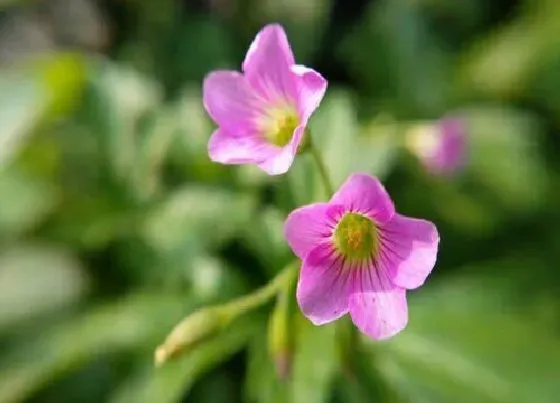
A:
[461, 344]
[176, 378]
[155, 142]
[265, 237]
[41, 90]
[190, 147]
[23, 102]
[504, 64]
[345, 148]
[196, 215]
[315, 363]
[504, 155]
[132, 323]
[23, 202]
[211, 279]
[36, 280]
[313, 371]
[117, 98]
[304, 21]
[403, 66]
[261, 382]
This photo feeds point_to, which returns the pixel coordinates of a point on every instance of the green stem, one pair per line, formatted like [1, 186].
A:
[262, 295]
[322, 169]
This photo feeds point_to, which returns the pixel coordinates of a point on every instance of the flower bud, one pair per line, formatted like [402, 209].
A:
[280, 336]
[194, 329]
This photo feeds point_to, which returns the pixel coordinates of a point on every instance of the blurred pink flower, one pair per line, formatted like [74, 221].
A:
[359, 257]
[441, 147]
[262, 114]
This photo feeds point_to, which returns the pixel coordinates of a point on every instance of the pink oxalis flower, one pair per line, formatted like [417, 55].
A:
[359, 257]
[262, 113]
[441, 147]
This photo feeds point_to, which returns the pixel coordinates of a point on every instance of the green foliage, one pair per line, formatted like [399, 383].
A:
[114, 223]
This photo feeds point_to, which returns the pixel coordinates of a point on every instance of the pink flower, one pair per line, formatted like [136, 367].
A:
[441, 146]
[262, 114]
[359, 257]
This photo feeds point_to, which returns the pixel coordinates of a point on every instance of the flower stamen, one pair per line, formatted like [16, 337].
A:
[280, 125]
[355, 237]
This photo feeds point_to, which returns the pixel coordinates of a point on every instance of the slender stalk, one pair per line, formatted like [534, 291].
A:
[322, 170]
[262, 295]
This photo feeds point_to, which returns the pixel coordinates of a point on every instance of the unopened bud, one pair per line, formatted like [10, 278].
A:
[280, 336]
[194, 329]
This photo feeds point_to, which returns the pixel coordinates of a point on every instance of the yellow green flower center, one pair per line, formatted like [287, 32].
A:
[280, 125]
[355, 237]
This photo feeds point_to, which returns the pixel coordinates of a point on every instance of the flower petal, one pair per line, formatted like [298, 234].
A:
[267, 65]
[281, 160]
[323, 286]
[380, 313]
[365, 194]
[310, 226]
[230, 101]
[311, 87]
[227, 148]
[409, 250]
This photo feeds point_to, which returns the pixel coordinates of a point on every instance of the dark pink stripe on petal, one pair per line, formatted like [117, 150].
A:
[323, 286]
[408, 250]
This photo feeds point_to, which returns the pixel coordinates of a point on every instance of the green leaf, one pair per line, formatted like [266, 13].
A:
[171, 382]
[156, 139]
[504, 64]
[344, 146]
[23, 102]
[117, 98]
[24, 202]
[261, 381]
[197, 215]
[132, 323]
[313, 373]
[461, 344]
[315, 363]
[499, 138]
[37, 279]
[265, 237]
[305, 22]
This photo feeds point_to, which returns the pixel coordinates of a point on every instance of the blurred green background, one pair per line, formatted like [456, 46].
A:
[114, 224]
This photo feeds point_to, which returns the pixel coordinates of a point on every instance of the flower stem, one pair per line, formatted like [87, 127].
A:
[322, 169]
[262, 295]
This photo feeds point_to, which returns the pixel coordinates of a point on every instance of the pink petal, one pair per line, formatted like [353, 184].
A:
[323, 286]
[311, 87]
[227, 148]
[409, 250]
[267, 65]
[451, 154]
[281, 160]
[380, 314]
[377, 307]
[365, 194]
[230, 101]
[310, 226]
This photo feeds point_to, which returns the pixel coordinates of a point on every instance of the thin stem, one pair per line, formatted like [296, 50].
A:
[262, 295]
[322, 170]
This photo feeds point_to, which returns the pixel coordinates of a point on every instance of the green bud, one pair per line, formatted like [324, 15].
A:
[194, 329]
[280, 334]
